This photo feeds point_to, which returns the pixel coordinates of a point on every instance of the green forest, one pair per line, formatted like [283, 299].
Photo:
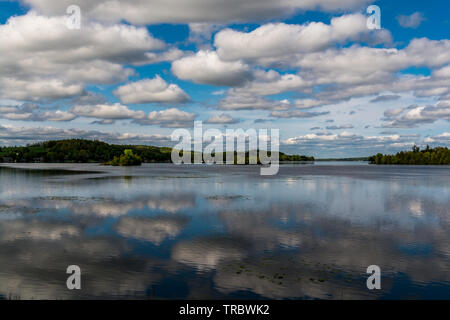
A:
[79, 150]
[427, 156]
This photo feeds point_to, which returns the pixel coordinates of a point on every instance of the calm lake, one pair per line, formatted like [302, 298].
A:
[211, 232]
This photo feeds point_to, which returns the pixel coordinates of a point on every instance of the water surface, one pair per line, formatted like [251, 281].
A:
[209, 232]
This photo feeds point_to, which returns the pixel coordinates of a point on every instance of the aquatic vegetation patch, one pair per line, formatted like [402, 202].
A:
[287, 277]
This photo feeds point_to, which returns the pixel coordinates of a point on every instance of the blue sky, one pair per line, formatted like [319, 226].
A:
[134, 72]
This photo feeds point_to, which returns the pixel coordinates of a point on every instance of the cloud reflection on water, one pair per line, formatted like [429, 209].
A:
[225, 235]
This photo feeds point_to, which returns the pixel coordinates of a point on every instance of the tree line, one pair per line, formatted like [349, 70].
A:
[80, 150]
[427, 156]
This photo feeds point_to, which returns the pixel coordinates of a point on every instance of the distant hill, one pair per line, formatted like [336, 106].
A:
[427, 156]
[79, 150]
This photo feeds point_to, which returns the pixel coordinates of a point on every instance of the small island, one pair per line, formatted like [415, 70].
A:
[427, 156]
[128, 158]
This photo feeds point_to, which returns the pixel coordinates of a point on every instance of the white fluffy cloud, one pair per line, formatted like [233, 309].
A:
[252, 102]
[46, 60]
[187, 11]
[110, 112]
[272, 82]
[366, 61]
[170, 55]
[168, 118]
[412, 21]
[412, 116]
[363, 71]
[443, 138]
[340, 74]
[38, 88]
[31, 112]
[104, 113]
[221, 119]
[275, 40]
[207, 68]
[442, 73]
[151, 90]
[172, 118]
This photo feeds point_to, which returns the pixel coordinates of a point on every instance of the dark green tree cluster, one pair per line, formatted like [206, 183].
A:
[128, 158]
[427, 156]
[78, 150]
